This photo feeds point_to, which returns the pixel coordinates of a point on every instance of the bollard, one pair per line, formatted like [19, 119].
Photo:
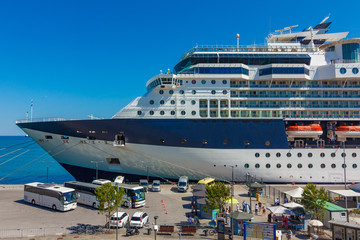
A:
[149, 231]
[205, 232]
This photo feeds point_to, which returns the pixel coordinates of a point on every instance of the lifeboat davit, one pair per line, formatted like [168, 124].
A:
[343, 132]
[313, 131]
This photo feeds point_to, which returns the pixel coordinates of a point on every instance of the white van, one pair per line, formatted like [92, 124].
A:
[100, 181]
[183, 184]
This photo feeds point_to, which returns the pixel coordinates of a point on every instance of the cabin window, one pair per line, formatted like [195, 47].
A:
[193, 81]
[224, 92]
[342, 70]
[213, 92]
[171, 92]
[333, 165]
[162, 112]
[172, 112]
[343, 154]
[333, 155]
[278, 154]
[181, 91]
[161, 91]
[299, 155]
[322, 154]
[213, 81]
[224, 82]
[289, 165]
[162, 102]
[353, 155]
[322, 165]
[183, 112]
[139, 112]
[268, 165]
[267, 154]
[343, 165]
[193, 102]
[172, 102]
[203, 81]
[355, 70]
[193, 91]
[257, 155]
[257, 165]
[278, 165]
[246, 165]
[151, 102]
[354, 165]
[288, 154]
[151, 112]
[193, 113]
[48, 137]
[182, 102]
[310, 165]
[299, 165]
[310, 155]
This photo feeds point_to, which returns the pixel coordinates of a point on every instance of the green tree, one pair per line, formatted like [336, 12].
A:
[314, 200]
[217, 193]
[108, 196]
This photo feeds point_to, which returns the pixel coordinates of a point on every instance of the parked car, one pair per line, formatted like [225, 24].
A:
[119, 219]
[139, 219]
[145, 184]
[155, 187]
[183, 184]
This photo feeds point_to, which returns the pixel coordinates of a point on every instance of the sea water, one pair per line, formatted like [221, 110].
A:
[22, 161]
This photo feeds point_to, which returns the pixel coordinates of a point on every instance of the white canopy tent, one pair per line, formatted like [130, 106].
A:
[280, 210]
[295, 193]
[292, 205]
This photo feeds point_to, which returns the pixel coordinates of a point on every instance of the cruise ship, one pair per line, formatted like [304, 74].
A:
[287, 111]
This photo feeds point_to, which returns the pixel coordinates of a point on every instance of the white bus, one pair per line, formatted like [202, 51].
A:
[85, 192]
[134, 195]
[51, 196]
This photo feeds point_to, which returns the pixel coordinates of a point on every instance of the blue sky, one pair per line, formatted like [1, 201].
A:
[76, 58]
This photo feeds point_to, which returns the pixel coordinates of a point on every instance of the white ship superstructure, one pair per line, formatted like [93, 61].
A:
[287, 111]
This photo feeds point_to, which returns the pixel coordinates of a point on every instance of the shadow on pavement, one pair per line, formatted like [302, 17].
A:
[87, 229]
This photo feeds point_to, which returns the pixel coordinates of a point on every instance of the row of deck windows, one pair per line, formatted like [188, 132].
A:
[289, 165]
[163, 113]
[309, 155]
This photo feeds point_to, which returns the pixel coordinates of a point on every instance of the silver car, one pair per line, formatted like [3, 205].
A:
[155, 187]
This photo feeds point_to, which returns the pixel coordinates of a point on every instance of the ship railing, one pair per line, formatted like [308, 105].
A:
[249, 48]
[335, 61]
[119, 143]
[47, 119]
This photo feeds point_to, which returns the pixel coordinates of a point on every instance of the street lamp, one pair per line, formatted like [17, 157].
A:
[47, 170]
[117, 210]
[155, 226]
[97, 167]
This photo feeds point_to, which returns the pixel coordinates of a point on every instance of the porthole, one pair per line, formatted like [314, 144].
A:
[322, 165]
[183, 112]
[278, 165]
[203, 81]
[172, 112]
[162, 112]
[355, 70]
[213, 92]
[162, 102]
[224, 82]
[353, 155]
[278, 154]
[161, 91]
[139, 112]
[193, 91]
[193, 102]
[193, 81]
[225, 142]
[288, 154]
[204, 141]
[213, 81]
[299, 165]
[354, 165]
[289, 165]
[151, 112]
[342, 70]
[193, 113]
[181, 91]
[343, 165]
[257, 155]
[322, 154]
[162, 140]
[310, 165]
[343, 154]
[151, 102]
[333, 165]
[172, 102]
[182, 102]
[267, 155]
[224, 92]
[299, 155]
[183, 141]
[333, 155]
[246, 165]
[257, 165]
[268, 165]
[310, 155]
[267, 143]
[171, 92]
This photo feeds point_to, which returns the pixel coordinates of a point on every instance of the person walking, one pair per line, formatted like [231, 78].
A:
[256, 209]
[289, 235]
[269, 218]
[244, 206]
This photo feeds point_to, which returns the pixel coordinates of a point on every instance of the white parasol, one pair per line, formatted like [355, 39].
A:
[280, 210]
[316, 223]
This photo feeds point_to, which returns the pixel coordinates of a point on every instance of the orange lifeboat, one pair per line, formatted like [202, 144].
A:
[343, 132]
[313, 131]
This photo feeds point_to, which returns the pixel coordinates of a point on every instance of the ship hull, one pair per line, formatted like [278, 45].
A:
[273, 163]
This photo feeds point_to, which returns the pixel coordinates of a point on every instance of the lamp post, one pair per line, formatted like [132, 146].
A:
[117, 210]
[155, 227]
[344, 165]
[97, 167]
[47, 170]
